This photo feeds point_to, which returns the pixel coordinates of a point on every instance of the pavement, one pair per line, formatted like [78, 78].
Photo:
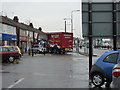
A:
[96, 52]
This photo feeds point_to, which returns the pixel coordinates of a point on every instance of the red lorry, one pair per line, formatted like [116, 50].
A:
[60, 42]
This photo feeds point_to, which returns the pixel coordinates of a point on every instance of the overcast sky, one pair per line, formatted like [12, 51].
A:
[48, 15]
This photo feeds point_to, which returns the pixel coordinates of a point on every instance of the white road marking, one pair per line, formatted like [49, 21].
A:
[20, 80]
[4, 71]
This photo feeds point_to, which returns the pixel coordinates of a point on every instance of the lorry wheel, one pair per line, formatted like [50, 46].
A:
[55, 51]
[50, 51]
[59, 52]
[62, 52]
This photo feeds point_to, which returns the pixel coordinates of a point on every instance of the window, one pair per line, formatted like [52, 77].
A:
[4, 28]
[25, 33]
[5, 50]
[9, 29]
[112, 58]
[14, 30]
[21, 32]
[31, 34]
[0, 27]
[11, 50]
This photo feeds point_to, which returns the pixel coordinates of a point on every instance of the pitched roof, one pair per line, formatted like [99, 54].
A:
[8, 21]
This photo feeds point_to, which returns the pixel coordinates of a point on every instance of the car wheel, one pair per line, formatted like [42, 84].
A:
[97, 79]
[11, 59]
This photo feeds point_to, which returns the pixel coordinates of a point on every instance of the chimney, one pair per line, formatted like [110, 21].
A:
[15, 19]
[40, 29]
[6, 16]
[31, 25]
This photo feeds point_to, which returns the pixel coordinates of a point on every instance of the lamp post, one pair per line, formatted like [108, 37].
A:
[72, 19]
[66, 22]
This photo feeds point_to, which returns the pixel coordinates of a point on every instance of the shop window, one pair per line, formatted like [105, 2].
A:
[14, 30]
[9, 29]
[4, 28]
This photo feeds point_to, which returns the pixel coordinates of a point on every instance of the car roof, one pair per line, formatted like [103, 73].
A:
[110, 52]
[9, 46]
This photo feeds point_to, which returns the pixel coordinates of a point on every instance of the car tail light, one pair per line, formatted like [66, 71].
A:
[116, 72]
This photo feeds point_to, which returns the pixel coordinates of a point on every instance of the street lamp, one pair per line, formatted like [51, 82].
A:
[65, 22]
[72, 19]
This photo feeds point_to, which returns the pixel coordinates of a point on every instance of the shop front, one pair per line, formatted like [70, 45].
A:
[8, 39]
[23, 43]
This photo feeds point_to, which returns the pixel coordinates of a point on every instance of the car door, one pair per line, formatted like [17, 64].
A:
[109, 62]
[5, 54]
[119, 58]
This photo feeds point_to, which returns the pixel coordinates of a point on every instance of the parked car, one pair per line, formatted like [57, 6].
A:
[8, 55]
[116, 76]
[16, 48]
[101, 71]
[38, 49]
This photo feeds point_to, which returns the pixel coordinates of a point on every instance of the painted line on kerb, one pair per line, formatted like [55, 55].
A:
[20, 80]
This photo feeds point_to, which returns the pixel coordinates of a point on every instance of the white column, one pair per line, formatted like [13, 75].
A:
[5, 43]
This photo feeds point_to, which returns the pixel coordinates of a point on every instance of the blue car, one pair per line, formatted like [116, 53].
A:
[101, 71]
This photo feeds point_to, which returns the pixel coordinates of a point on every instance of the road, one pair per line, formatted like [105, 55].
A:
[49, 71]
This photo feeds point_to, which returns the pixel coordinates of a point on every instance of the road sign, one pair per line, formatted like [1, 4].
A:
[105, 18]
[100, 19]
[100, 0]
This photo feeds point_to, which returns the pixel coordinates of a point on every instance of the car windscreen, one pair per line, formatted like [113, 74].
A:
[15, 48]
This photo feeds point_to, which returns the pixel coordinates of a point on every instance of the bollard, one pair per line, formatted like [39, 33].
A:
[29, 52]
[32, 53]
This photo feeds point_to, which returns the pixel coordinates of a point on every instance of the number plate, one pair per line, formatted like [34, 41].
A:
[67, 49]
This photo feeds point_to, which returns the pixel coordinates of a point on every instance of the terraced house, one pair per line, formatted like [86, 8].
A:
[12, 33]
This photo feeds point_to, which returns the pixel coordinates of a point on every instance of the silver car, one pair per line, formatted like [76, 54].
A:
[39, 49]
[116, 76]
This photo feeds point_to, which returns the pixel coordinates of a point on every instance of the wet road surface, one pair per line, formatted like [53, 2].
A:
[49, 71]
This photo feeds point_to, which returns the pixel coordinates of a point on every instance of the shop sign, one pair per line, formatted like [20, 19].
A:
[8, 37]
[24, 39]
